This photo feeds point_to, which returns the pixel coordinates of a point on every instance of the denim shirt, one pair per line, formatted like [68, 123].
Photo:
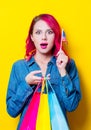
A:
[19, 93]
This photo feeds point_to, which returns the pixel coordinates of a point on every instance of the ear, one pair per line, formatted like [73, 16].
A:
[32, 37]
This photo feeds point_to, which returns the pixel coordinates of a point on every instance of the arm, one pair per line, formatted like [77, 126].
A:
[17, 93]
[70, 87]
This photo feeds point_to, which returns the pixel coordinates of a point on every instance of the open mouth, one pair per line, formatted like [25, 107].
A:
[43, 45]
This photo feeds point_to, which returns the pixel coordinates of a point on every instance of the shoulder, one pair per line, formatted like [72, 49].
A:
[19, 62]
[71, 65]
[71, 62]
[20, 67]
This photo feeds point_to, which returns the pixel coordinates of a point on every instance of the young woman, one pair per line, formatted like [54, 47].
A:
[43, 58]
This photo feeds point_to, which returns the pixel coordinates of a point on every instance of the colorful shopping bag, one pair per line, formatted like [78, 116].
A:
[29, 121]
[58, 120]
[43, 117]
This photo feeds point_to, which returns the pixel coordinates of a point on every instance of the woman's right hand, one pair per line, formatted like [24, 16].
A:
[31, 78]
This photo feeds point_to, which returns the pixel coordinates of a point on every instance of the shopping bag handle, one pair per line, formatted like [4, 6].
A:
[50, 85]
[43, 81]
[44, 84]
[38, 86]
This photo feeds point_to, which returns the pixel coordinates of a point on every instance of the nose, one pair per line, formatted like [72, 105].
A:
[44, 37]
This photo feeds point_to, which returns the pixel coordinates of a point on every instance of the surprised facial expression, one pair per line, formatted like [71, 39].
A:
[43, 37]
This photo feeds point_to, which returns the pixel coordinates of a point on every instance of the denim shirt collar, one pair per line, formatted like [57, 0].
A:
[32, 61]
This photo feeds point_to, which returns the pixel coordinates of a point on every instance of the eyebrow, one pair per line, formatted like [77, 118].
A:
[41, 29]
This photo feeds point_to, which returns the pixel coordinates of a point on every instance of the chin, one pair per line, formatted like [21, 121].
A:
[46, 53]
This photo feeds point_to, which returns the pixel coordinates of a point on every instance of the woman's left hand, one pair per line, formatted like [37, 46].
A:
[61, 62]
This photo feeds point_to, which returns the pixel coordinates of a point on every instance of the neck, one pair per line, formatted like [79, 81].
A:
[42, 57]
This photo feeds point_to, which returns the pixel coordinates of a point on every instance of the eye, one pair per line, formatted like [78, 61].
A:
[38, 32]
[50, 32]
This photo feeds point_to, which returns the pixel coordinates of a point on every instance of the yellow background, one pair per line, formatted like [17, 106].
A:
[75, 17]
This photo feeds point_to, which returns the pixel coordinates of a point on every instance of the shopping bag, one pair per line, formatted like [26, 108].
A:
[43, 117]
[29, 121]
[58, 120]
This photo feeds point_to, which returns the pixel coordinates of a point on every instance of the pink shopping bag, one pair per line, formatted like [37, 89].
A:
[29, 121]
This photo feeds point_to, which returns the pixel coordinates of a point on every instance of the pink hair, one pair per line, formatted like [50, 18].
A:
[52, 22]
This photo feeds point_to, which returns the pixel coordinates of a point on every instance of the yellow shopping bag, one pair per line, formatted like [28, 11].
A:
[43, 117]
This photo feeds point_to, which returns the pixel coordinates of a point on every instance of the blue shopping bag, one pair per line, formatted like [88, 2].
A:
[58, 120]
